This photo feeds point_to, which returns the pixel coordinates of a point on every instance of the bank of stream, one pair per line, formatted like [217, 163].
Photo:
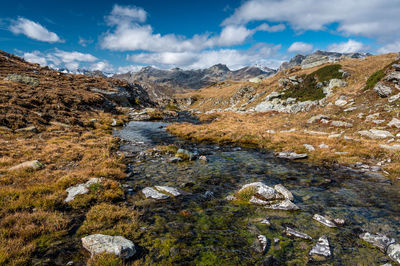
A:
[202, 227]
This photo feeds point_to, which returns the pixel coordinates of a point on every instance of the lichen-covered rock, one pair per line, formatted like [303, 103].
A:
[291, 155]
[393, 251]
[34, 165]
[382, 90]
[378, 240]
[284, 191]
[260, 244]
[285, 205]
[117, 245]
[262, 190]
[171, 190]
[321, 248]
[80, 189]
[150, 192]
[394, 123]
[292, 232]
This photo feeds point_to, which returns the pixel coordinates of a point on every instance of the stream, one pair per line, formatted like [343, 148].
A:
[203, 228]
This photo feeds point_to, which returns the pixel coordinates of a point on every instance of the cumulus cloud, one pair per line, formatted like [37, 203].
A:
[83, 42]
[129, 68]
[129, 34]
[350, 46]
[233, 58]
[300, 47]
[33, 30]
[58, 59]
[390, 48]
[370, 18]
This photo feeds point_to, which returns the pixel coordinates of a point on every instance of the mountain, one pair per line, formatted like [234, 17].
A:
[164, 83]
[318, 58]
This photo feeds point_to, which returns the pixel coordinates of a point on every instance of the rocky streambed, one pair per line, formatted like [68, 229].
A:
[218, 205]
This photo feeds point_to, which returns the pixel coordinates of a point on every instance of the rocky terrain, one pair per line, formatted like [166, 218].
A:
[164, 83]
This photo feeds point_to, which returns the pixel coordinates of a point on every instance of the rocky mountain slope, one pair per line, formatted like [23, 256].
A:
[164, 83]
[346, 112]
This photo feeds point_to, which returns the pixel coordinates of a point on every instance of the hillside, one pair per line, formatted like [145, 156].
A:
[164, 83]
[336, 113]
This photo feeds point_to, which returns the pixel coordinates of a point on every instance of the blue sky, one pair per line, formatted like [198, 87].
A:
[126, 35]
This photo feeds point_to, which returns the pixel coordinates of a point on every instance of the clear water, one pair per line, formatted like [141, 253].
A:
[202, 228]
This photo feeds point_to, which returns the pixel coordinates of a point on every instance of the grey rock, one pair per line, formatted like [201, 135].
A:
[396, 67]
[394, 123]
[341, 124]
[376, 134]
[284, 191]
[337, 83]
[393, 251]
[316, 118]
[261, 190]
[117, 245]
[339, 222]
[27, 129]
[266, 222]
[324, 220]
[393, 77]
[34, 165]
[175, 160]
[382, 90]
[171, 190]
[285, 205]
[292, 232]
[309, 147]
[394, 98]
[258, 201]
[395, 147]
[80, 189]
[150, 192]
[260, 244]
[378, 240]
[321, 248]
[291, 155]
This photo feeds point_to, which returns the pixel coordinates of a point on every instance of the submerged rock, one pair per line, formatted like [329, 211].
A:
[80, 189]
[393, 251]
[323, 220]
[284, 191]
[150, 192]
[171, 190]
[378, 240]
[117, 245]
[260, 244]
[285, 205]
[291, 155]
[292, 232]
[34, 165]
[321, 249]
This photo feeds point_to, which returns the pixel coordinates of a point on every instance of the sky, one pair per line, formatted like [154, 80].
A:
[122, 36]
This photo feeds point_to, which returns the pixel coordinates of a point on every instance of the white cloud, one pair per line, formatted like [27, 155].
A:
[300, 47]
[58, 59]
[35, 57]
[130, 68]
[83, 42]
[130, 35]
[102, 66]
[33, 30]
[350, 46]
[370, 18]
[390, 48]
[233, 58]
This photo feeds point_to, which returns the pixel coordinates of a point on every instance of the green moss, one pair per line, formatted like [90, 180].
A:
[308, 90]
[105, 260]
[23, 79]
[377, 76]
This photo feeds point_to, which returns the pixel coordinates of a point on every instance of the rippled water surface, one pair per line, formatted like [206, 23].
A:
[203, 228]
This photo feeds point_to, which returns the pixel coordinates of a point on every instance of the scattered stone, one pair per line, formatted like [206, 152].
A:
[378, 240]
[372, 117]
[185, 154]
[396, 67]
[323, 146]
[80, 189]
[394, 98]
[114, 123]
[203, 158]
[260, 244]
[336, 83]
[55, 123]
[323, 220]
[376, 134]
[171, 190]
[285, 205]
[321, 248]
[350, 109]
[117, 245]
[175, 160]
[393, 251]
[266, 222]
[395, 147]
[335, 135]
[340, 102]
[276, 240]
[284, 191]
[27, 129]
[377, 122]
[309, 147]
[382, 90]
[339, 222]
[316, 118]
[341, 124]
[394, 122]
[292, 232]
[230, 198]
[34, 165]
[291, 155]
[150, 192]
[393, 77]
[270, 131]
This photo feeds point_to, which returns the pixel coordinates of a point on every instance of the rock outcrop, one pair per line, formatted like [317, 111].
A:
[117, 245]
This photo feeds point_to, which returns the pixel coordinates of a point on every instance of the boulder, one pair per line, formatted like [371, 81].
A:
[150, 192]
[341, 124]
[291, 155]
[80, 189]
[317, 118]
[291, 232]
[117, 245]
[393, 251]
[376, 134]
[394, 123]
[309, 147]
[285, 205]
[323, 220]
[382, 90]
[170, 190]
[284, 191]
[336, 83]
[393, 77]
[262, 190]
[378, 240]
[34, 165]
[260, 244]
[321, 248]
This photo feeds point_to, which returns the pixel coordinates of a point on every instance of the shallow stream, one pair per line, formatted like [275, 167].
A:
[204, 228]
